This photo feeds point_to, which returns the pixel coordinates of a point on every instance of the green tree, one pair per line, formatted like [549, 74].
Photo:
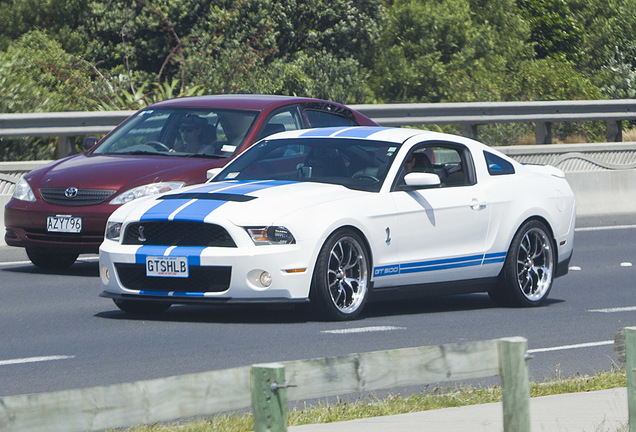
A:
[448, 50]
[555, 31]
[36, 74]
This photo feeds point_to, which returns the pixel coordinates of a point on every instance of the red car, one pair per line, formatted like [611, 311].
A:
[59, 211]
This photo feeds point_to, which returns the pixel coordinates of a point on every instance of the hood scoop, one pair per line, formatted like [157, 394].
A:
[208, 196]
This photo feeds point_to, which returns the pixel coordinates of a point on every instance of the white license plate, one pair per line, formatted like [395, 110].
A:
[64, 224]
[162, 266]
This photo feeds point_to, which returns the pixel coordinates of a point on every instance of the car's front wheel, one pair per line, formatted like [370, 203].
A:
[50, 260]
[140, 307]
[528, 272]
[339, 287]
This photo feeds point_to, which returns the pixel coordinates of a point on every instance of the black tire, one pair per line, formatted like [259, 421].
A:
[340, 283]
[140, 307]
[528, 272]
[51, 260]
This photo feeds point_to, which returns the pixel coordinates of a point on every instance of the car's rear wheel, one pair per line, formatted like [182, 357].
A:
[51, 260]
[339, 287]
[141, 307]
[528, 272]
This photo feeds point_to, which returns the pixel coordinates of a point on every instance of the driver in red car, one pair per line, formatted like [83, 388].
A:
[196, 136]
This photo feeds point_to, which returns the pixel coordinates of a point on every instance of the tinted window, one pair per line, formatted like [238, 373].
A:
[183, 132]
[356, 164]
[498, 165]
[326, 119]
[448, 162]
[281, 122]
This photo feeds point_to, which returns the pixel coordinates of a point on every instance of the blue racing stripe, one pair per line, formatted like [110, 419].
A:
[440, 264]
[360, 132]
[170, 294]
[193, 253]
[442, 261]
[197, 210]
[440, 267]
[200, 209]
[144, 251]
[320, 132]
[346, 132]
[164, 208]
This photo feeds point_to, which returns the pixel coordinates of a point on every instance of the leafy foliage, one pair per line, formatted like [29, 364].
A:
[60, 55]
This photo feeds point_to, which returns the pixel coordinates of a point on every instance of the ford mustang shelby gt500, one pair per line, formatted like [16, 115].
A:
[335, 216]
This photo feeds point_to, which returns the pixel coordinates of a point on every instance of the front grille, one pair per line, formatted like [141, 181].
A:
[201, 279]
[84, 197]
[177, 233]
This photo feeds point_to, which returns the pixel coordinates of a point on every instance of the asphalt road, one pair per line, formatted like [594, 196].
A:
[56, 333]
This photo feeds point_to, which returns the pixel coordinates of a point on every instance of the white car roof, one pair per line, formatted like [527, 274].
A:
[388, 134]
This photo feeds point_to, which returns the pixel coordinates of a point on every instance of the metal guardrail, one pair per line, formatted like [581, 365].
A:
[66, 125]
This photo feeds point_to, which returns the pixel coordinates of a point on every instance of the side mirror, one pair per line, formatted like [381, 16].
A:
[89, 142]
[417, 180]
[213, 172]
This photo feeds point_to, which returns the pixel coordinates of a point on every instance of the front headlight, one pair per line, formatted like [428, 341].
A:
[113, 230]
[23, 191]
[145, 190]
[273, 235]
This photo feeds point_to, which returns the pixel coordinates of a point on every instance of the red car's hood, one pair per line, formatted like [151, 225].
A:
[120, 172]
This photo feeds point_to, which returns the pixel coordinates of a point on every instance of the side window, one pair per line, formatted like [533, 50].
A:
[319, 119]
[450, 162]
[448, 165]
[498, 165]
[280, 122]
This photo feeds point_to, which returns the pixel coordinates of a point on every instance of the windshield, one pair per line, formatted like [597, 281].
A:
[216, 133]
[353, 163]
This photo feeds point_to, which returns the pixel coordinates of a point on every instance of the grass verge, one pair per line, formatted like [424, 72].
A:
[428, 399]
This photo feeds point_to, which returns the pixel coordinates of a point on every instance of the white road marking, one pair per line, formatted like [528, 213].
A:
[575, 268]
[569, 347]
[363, 330]
[626, 264]
[616, 309]
[34, 359]
[605, 228]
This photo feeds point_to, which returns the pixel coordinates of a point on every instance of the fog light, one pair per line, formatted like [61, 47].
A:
[266, 279]
[105, 274]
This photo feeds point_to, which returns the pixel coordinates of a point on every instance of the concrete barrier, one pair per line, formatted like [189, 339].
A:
[603, 177]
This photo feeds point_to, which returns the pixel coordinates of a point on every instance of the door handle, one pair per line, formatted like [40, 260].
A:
[476, 204]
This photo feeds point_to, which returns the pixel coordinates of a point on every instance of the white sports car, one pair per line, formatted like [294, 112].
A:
[336, 216]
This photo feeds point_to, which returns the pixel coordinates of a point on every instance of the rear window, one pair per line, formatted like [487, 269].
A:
[498, 165]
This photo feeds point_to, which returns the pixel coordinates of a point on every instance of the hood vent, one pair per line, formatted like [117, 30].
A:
[208, 196]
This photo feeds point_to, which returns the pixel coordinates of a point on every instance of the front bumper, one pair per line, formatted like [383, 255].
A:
[236, 273]
[26, 227]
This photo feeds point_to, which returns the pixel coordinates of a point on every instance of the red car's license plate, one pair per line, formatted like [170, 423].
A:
[64, 224]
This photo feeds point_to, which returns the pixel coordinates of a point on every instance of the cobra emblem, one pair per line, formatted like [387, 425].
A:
[141, 237]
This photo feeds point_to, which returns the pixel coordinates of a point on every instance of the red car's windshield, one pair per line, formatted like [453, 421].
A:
[181, 132]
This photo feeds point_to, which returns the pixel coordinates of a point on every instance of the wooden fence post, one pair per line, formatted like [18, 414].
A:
[269, 397]
[630, 371]
[515, 387]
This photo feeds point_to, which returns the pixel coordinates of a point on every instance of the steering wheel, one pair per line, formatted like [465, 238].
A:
[366, 177]
[157, 145]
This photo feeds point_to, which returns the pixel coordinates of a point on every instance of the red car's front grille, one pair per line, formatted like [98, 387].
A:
[75, 197]
[201, 279]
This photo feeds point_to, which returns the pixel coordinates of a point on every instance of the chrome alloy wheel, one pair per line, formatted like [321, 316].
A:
[347, 275]
[535, 262]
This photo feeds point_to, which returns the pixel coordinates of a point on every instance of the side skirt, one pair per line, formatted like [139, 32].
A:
[440, 289]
